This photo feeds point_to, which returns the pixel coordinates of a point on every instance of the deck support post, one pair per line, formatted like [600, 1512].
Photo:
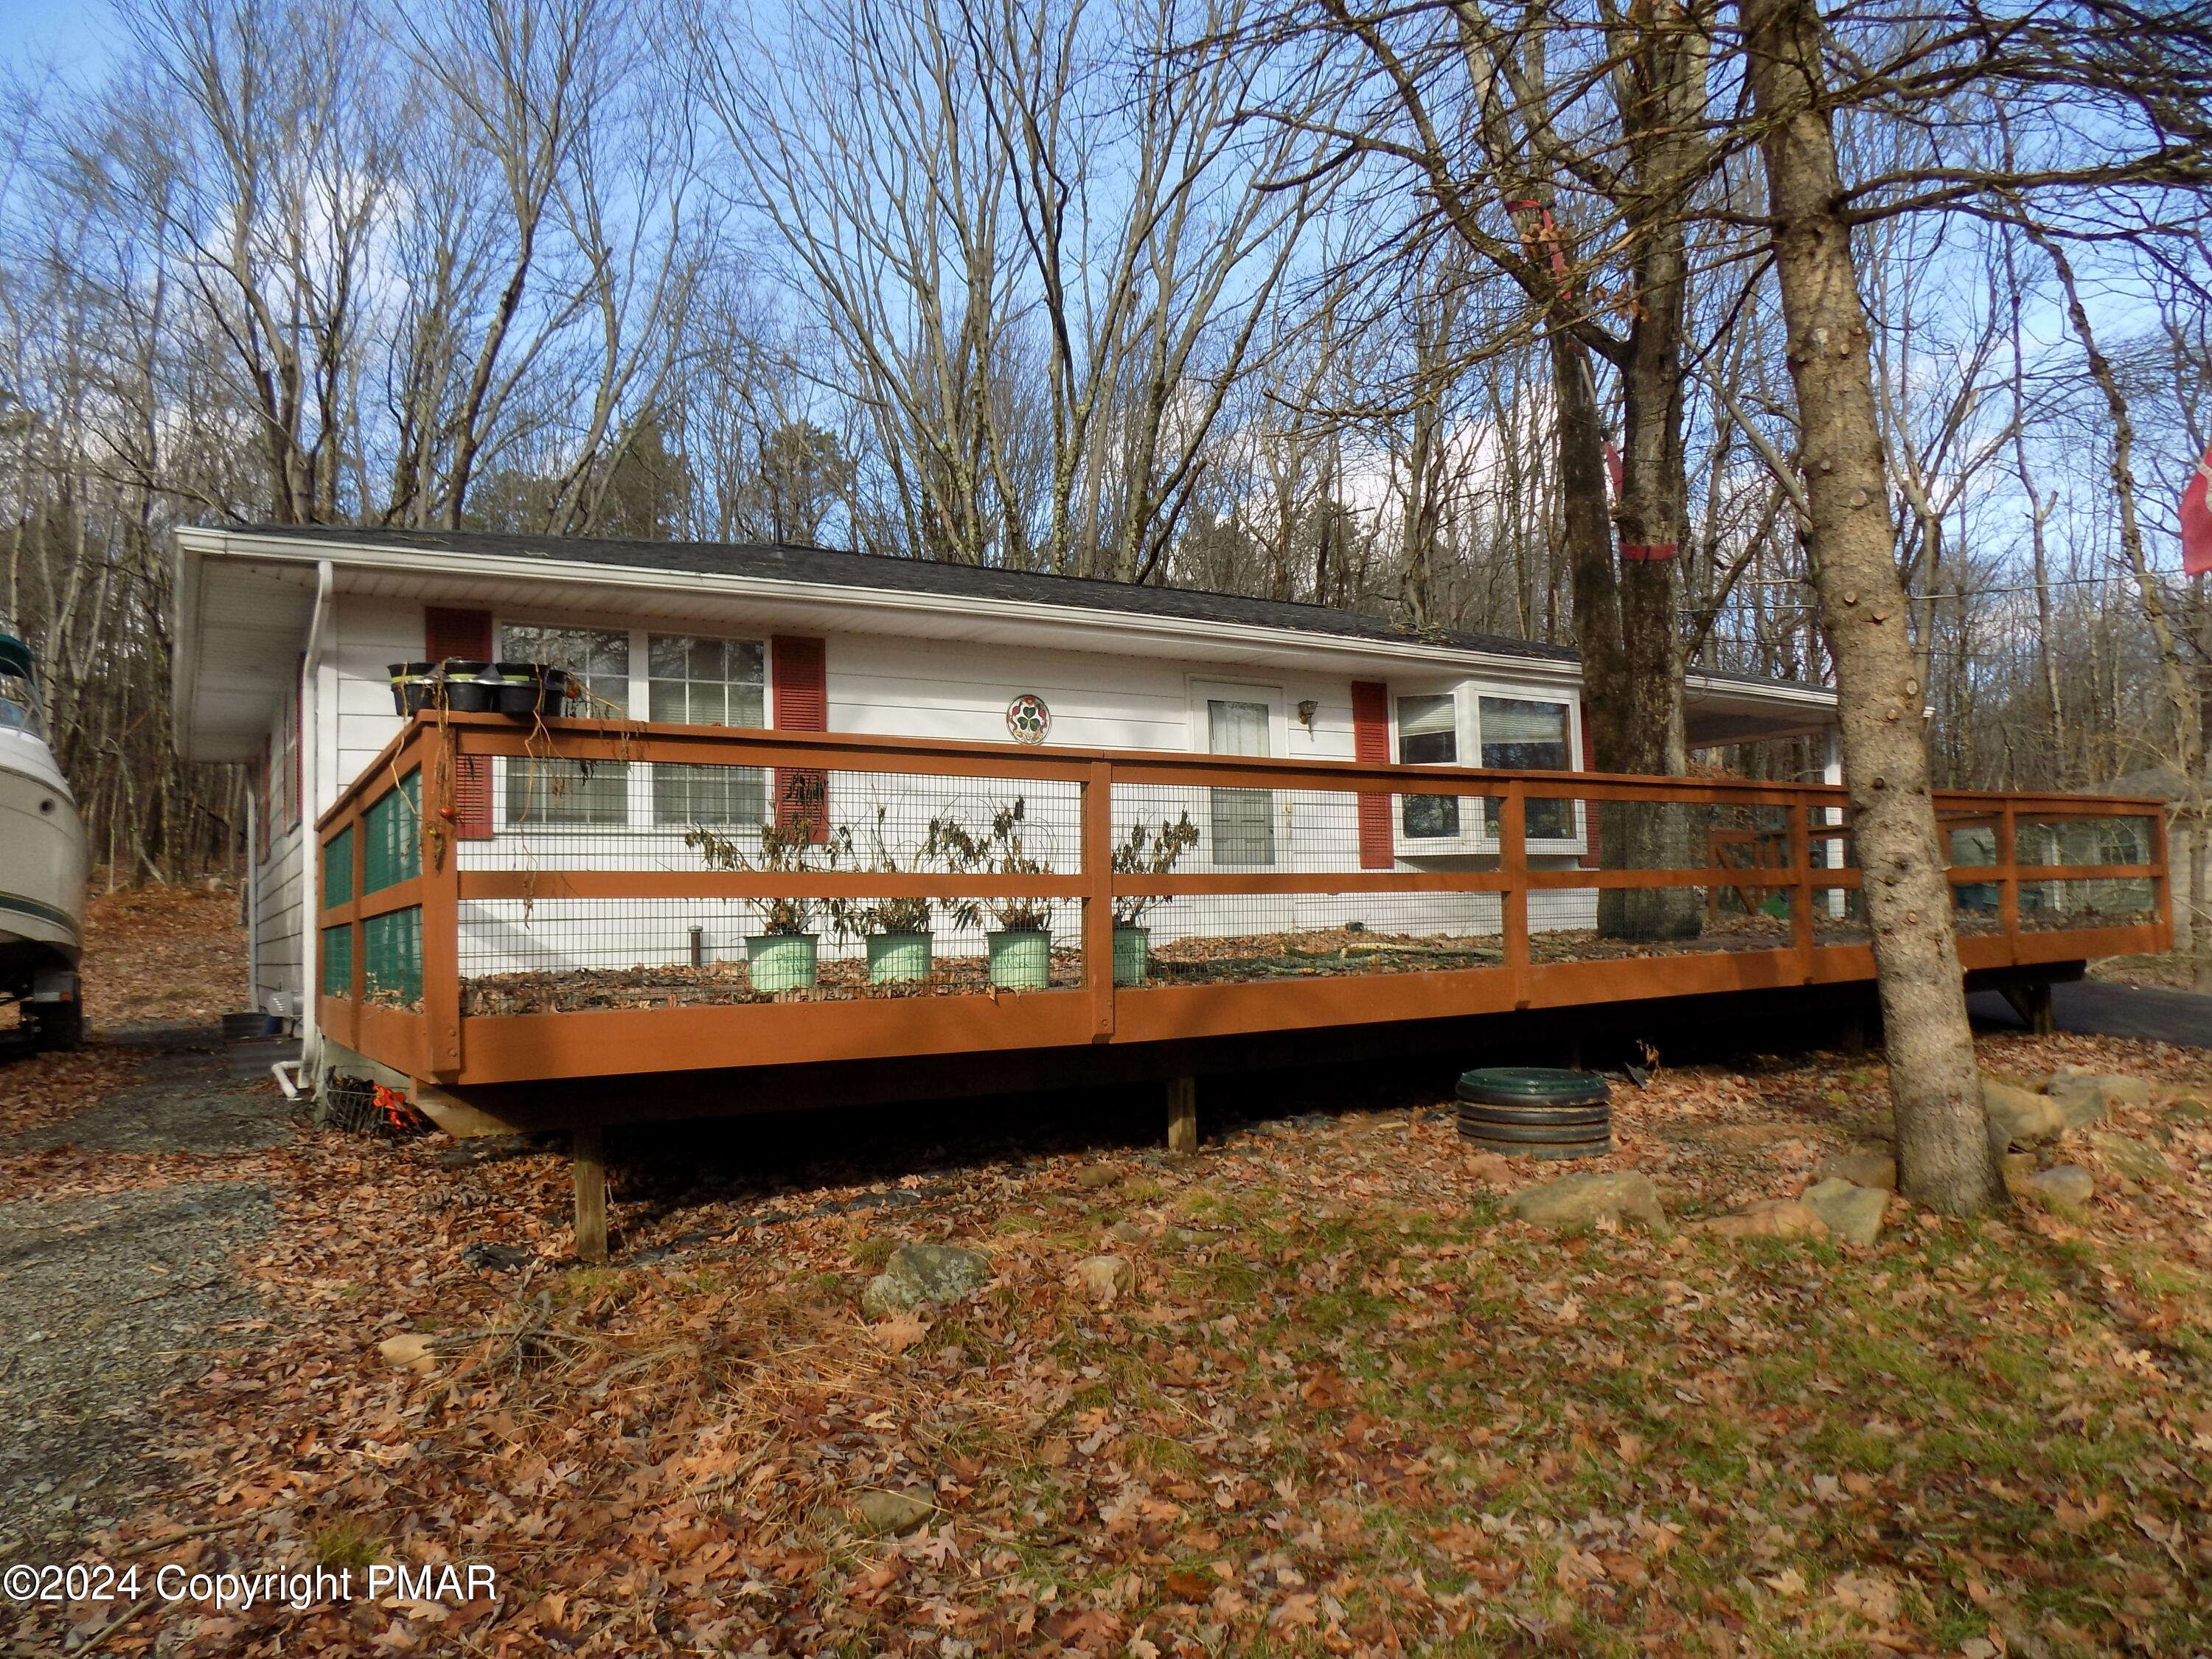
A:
[587, 1152]
[2032, 1003]
[1182, 1114]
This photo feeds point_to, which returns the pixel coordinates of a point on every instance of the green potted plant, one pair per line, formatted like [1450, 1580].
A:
[786, 954]
[896, 930]
[1144, 851]
[1021, 945]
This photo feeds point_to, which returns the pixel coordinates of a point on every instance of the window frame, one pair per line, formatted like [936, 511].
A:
[639, 816]
[1200, 691]
[1474, 835]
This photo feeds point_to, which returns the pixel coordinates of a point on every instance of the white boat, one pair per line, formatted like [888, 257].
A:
[42, 863]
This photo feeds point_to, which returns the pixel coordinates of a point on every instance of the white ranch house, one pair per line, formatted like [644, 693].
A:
[287, 635]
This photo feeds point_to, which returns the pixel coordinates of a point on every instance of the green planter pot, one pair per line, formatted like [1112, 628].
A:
[1021, 958]
[1132, 955]
[781, 961]
[893, 959]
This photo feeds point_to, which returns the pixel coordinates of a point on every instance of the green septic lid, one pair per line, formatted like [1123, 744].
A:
[1531, 1085]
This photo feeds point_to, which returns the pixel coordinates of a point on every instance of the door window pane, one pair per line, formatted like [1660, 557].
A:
[1519, 735]
[1243, 819]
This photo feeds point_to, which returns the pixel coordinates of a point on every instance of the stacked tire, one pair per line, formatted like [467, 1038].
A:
[1535, 1111]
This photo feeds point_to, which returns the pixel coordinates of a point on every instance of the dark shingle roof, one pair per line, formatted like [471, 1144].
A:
[826, 567]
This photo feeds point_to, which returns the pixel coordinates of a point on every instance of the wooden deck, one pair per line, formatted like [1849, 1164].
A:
[2020, 917]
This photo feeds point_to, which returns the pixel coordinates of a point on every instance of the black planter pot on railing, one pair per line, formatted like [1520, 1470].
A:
[469, 687]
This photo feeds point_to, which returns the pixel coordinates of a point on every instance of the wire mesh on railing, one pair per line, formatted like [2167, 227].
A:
[539, 953]
[1297, 882]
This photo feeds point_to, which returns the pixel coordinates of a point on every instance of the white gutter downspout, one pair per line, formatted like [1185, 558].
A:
[252, 897]
[311, 808]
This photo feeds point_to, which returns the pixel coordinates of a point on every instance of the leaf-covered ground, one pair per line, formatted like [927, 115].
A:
[154, 956]
[1348, 1405]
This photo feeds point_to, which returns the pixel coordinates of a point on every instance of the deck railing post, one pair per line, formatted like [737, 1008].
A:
[1513, 863]
[2162, 883]
[2008, 874]
[1098, 906]
[1801, 862]
[442, 909]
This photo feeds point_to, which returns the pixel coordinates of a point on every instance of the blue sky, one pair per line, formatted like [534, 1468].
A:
[69, 35]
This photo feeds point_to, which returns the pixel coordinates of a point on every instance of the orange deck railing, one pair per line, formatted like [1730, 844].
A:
[502, 903]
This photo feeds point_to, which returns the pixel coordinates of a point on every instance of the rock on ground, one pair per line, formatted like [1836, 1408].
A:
[2066, 1184]
[2130, 1158]
[1773, 1217]
[924, 1272]
[1575, 1203]
[1853, 1213]
[2087, 1096]
[1106, 1277]
[1862, 1166]
[893, 1511]
[2017, 1117]
[110, 1300]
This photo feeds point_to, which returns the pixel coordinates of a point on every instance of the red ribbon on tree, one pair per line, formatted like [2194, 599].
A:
[1647, 550]
[2196, 520]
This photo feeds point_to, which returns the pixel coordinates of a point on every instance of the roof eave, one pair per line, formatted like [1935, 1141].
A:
[263, 546]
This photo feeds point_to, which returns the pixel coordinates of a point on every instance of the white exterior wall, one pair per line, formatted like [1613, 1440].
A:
[278, 920]
[917, 688]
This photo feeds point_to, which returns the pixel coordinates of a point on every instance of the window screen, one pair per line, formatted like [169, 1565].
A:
[1523, 735]
[702, 681]
[1243, 819]
[556, 791]
[1428, 735]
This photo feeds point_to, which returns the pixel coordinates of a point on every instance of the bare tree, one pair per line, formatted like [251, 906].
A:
[1944, 1157]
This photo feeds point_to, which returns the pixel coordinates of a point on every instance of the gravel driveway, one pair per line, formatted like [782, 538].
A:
[110, 1300]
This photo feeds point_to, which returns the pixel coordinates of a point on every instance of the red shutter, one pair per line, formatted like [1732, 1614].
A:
[465, 635]
[1589, 860]
[472, 797]
[799, 682]
[1370, 743]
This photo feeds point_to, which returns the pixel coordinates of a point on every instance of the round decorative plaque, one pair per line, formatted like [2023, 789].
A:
[1027, 718]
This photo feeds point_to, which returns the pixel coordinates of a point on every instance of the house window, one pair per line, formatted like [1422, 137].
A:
[1243, 819]
[1521, 735]
[1428, 735]
[702, 681]
[573, 793]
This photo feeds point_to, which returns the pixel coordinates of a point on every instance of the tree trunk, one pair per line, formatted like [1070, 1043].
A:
[1943, 1152]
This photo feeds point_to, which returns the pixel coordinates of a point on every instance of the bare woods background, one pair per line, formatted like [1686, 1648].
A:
[1261, 297]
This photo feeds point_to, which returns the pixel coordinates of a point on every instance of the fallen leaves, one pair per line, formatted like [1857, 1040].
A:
[1334, 1405]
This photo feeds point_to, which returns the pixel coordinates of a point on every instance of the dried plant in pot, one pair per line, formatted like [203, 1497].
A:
[895, 931]
[1021, 945]
[1145, 851]
[785, 954]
